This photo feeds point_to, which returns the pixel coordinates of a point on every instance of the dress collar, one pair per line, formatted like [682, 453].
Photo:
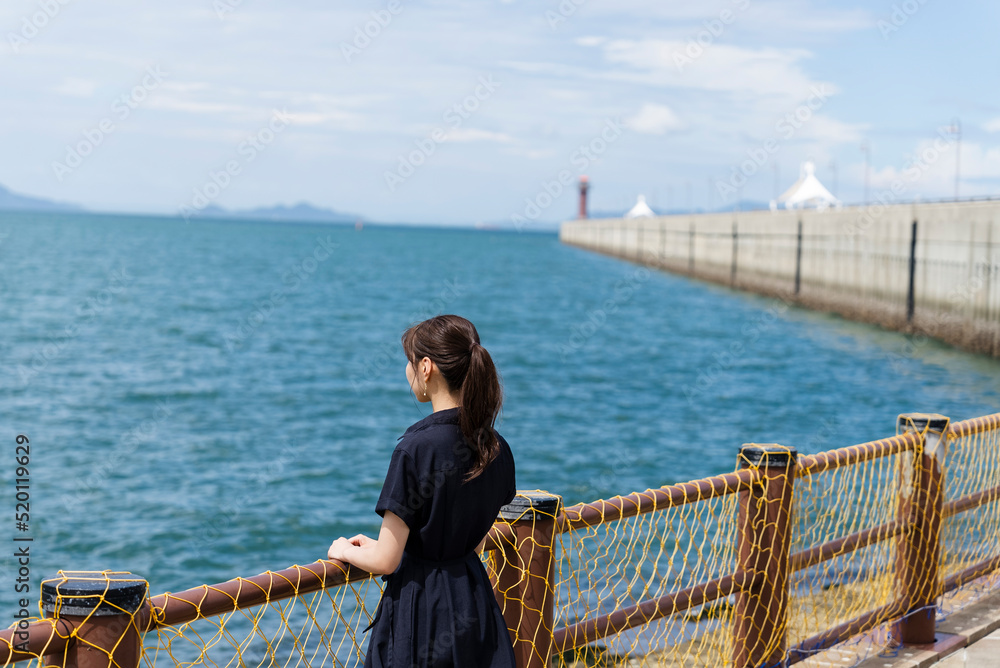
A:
[446, 416]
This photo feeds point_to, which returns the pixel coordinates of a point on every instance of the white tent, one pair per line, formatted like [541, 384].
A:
[807, 192]
[640, 210]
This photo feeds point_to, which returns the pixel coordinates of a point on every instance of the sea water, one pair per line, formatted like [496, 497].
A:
[217, 398]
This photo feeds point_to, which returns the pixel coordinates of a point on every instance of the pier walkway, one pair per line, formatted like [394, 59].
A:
[967, 639]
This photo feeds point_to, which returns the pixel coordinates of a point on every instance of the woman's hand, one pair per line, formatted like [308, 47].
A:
[362, 540]
[341, 546]
[375, 556]
[336, 550]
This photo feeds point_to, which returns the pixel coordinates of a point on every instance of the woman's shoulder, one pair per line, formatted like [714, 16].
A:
[432, 441]
[445, 417]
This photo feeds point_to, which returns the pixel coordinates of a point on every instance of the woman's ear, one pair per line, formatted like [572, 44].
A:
[426, 365]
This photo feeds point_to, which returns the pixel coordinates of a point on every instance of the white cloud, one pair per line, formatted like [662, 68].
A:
[531, 153]
[992, 125]
[770, 16]
[315, 117]
[192, 107]
[827, 130]
[795, 16]
[185, 86]
[654, 119]
[77, 88]
[929, 171]
[304, 109]
[716, 67]
[980, 162]
[550, 69]
[462, 135]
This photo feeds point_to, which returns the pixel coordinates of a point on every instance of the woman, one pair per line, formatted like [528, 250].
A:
[448, 477]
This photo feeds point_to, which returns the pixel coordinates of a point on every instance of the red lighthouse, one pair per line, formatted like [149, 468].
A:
[584, 186]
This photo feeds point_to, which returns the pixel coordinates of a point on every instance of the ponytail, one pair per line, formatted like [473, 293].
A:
[482, 397]
[452, 342]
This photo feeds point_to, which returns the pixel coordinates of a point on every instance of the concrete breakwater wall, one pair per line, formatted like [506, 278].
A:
[929, 269]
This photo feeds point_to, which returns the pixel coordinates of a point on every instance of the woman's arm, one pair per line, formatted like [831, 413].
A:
[375, 556]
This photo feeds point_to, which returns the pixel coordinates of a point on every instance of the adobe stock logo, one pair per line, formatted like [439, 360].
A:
[365, 34]
[585, 155]
[32, 25]
[247, 151]
[712, 30]
[121, 108]
[901, 13]
[407, 164]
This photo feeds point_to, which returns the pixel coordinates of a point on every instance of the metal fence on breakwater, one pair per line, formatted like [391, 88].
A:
[931, 269]
[862, 548]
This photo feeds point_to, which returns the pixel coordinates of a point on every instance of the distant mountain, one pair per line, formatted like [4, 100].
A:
[303, 212]
[13, 202]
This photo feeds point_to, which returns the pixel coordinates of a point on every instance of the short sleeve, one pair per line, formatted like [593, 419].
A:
[400, 491]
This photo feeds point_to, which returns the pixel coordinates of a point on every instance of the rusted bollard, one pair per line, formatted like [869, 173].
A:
[764, 537]
[109, 612]
[919, 548]
[525, 580]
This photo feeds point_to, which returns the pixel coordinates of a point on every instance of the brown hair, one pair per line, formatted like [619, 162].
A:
[452, 343]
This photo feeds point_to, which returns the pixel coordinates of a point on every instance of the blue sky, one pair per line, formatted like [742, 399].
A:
[151, 107]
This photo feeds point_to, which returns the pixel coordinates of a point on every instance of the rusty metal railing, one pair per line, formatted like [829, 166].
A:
[522, 546]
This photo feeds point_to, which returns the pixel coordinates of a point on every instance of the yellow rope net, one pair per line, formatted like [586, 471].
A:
[830, 588]
[609, 568]
[321, 628]
[809, 560]
[970, 538]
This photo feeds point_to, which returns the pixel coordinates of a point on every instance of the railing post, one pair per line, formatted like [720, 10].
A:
[919, 548]
[109, 611]
[764, 537]
[798, 259]
[911, 285]
[691, 248]
[526, 576]
[736, 248]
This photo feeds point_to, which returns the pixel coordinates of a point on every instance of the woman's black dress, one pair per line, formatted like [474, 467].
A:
[438, 608]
